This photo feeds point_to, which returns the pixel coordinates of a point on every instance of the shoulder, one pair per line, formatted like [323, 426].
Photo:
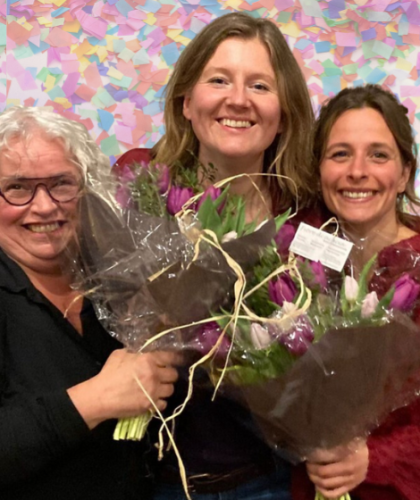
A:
[136, 155]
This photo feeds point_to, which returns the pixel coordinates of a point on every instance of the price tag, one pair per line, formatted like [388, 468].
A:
[317, 245]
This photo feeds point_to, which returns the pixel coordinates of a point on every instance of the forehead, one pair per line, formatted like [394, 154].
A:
[363, 126]
[37, 156]
[241, 52]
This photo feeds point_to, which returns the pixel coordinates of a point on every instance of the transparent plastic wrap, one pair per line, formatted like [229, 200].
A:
[320, 358]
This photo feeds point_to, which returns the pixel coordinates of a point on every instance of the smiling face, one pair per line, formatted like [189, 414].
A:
[234, 107]
[35, 235]
[362, 172]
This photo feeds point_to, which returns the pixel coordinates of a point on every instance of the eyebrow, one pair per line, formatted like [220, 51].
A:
[228, 71]
[348, 145]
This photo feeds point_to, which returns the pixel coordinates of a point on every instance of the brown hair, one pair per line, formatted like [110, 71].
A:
[290, 152]
[395, 116]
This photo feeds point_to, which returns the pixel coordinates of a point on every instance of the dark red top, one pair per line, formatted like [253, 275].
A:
[394, 447]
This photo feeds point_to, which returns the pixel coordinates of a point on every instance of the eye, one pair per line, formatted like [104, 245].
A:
[261, 86]
[341, 154]
[218, 80]
[14, 186]
[380, 155]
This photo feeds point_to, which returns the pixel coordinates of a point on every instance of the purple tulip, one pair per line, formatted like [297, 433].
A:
[299, 338]
[284, 238]
[177, 197]
[123, 197]
[406, 292]
[320, 278]
[282, 289]
[164, 178]
[207, 337]
[213, 193]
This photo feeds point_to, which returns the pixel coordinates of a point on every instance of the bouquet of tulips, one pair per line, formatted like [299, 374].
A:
[318, 359]
[158, 263]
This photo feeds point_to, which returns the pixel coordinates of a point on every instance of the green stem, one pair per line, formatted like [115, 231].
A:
[320, 496]
[133, 428]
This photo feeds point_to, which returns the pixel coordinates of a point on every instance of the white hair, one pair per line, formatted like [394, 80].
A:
[19, 122]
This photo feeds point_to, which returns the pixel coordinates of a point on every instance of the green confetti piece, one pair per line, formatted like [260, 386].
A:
[58, 21]
[364, 71]
[97, 102]
[56, 92]
[89, 113]
[377, 17]
[21, 52]
[126, 54]
[382, 49]
[44, 33]
[105, 97]
[141, 57]
[150, 94]
[331, 69]
[368, 53]
[284, 17]
[350, 69]
[110, 146]
[125, 82]
[398, 53]
[3, 34]
[118, 46]
[43, 74]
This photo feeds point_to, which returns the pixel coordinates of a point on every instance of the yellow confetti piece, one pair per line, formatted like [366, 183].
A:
[114, 73]
[391, 28]
[404, 64]
[173, 34]
[150, 19]
[63, 101]
[291, 29]
[416, 100]
[182, 39]
[49, 82]
[233, 3]
[84, 63]
[313, 29]
[102, 54]
[59, 3]
[13, 102]
[45, 22]
[58, 21]
[72, 27]
[110, 42]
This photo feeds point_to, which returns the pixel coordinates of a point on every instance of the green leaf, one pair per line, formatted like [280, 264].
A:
[281, 219]
[209, 217]
[363, 280]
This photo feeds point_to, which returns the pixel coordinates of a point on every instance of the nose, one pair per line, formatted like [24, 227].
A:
[42, 201]
[358, 167]
[238, 95]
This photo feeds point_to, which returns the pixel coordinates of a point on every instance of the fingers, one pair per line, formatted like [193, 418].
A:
[166, 358]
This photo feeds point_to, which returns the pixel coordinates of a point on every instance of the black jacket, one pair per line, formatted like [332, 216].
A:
[46, 449]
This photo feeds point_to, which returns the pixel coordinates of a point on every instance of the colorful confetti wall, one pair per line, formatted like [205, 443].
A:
[106, 63]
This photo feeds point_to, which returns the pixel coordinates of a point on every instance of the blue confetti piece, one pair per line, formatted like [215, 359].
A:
[393, 6]
[375, 76]
[88, 9]
[112, 2]
[170, 53]
[106, 119]
[33, 72]
[189, 34]
[55, 71]
[322, 47]
[96, 41]
[103, 70]
[161, 92]
[112, 30]
[58, 12]
[123, 7]
[94, 59]
[331, 85]
[397, 38]
[161, 130]
[358, 83]
[149, 144]
[152, 109]
[37, 50]
[302, 43]
[153, 6]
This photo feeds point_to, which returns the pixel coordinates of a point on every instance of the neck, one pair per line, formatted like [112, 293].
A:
[253, 189]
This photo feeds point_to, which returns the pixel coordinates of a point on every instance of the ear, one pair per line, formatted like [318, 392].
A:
[186, 107]
[404, 178]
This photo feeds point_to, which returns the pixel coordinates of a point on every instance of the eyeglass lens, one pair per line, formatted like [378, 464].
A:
[20, 191]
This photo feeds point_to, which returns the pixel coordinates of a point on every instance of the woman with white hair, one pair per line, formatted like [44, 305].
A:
[62, 377]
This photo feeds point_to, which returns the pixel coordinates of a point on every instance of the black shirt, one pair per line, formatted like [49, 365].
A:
[46, 449]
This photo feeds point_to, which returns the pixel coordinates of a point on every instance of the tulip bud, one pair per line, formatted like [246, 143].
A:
[260, 337]
[369, 304]
[320, 278]
[208, 336]
[406, 292]
[177, 197]
[284, 238]
[213, 193]
[299, 338]
[351, 288]
[282, 289]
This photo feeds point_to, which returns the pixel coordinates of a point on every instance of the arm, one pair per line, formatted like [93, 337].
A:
[38, 429]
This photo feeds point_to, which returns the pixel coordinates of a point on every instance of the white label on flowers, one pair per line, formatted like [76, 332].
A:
[317, 245]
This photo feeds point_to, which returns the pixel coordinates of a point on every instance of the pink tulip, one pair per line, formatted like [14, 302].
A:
[177, 197]
[282, 289]
[284, 238]
[406, 293]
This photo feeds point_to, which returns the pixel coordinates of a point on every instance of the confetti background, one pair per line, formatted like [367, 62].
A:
[106, 63]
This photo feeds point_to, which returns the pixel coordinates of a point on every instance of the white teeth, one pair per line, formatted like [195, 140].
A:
[357, 194]
[43, 228]
[236, 123]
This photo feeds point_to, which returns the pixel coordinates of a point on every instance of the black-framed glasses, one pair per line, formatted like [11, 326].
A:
[20, 191]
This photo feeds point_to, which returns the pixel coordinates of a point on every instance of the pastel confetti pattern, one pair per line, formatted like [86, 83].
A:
[106, 63]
